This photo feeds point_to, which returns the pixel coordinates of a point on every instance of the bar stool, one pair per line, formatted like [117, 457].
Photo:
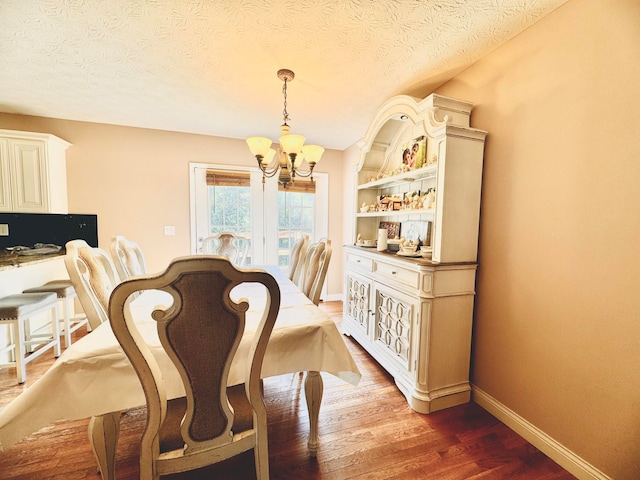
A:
[65, 292]
[17, 311]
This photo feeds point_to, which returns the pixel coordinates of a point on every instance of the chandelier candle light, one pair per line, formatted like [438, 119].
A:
[291, 152]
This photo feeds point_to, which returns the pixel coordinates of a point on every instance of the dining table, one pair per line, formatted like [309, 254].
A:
[94, 379]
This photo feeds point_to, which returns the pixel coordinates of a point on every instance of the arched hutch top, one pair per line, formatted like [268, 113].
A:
[450, 166]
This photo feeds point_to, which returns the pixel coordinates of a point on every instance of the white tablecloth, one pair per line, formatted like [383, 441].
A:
[94, 377]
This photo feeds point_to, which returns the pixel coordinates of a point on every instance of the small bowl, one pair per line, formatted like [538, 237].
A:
[369, 243]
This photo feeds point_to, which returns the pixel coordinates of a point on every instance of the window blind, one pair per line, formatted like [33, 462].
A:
[300, 186]
[228, 178]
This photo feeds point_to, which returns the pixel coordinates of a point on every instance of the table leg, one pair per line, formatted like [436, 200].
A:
[103, 436]
[313, 389]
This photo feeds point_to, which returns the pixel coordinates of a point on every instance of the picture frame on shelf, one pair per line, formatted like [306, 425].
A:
[412, 230]
[393, 229]
[414, 152]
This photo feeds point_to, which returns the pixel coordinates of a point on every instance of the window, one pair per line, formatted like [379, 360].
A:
[296, 215]
[234, 199]
[229, 204]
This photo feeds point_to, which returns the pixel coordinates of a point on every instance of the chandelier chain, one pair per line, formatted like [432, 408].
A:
[285, 114]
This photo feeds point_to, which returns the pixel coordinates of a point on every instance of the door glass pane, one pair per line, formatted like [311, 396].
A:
[230, 211]
[295, 218]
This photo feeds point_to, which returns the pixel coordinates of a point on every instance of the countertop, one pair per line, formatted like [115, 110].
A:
[417, 260]
[9, 261]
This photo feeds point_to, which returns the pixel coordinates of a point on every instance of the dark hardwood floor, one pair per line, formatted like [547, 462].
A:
[366, 432]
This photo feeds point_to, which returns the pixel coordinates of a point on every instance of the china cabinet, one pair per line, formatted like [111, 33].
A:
[33, 177]
[414, 314]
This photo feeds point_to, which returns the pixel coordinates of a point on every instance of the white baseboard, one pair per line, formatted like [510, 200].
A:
[543, 442]
[333, 297]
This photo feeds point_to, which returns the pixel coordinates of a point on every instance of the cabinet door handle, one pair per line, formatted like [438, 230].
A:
[357, 261]
[393, 272]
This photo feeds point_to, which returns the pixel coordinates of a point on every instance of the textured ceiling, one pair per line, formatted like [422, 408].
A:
[209, 67]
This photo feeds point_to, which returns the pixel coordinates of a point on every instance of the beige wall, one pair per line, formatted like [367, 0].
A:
[137, 180]
[557, 324]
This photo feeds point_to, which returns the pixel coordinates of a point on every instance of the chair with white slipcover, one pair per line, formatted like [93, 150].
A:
[314, 269]
[94, 276]
[128, 257]
[296, 258]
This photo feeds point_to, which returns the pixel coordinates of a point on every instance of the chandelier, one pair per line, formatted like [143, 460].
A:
[292, 151]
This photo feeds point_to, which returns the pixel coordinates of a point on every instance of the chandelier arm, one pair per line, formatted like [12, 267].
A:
[269, 173]
[303, 173]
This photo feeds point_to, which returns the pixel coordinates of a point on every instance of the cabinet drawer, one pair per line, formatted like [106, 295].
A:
[398, 274]
[360, 261]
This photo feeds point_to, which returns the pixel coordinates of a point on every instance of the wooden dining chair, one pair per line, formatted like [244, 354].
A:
[93, 276]
[128, 257]
[314, 269]
[233, 247]
[296, 258]
[200, 332]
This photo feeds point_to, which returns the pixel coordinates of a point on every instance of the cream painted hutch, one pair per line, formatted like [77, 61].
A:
[414, 315]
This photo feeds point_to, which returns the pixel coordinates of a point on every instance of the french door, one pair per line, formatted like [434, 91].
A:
[271, 218]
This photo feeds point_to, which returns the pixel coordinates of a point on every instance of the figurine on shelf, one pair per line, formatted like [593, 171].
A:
[364, 208]
[430, 199]
[422, 203]
[359, 239]
[406, 247]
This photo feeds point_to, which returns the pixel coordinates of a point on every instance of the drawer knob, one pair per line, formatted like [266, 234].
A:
[393, 272]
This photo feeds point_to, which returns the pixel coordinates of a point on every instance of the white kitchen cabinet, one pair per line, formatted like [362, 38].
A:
[33, 172]
[415, 315]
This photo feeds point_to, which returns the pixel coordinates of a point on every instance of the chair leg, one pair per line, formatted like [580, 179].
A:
[20, 352]
[66, 321]
[26, 326]
[55, 330]
[103, 436]
[261, 454]
[12, 354]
